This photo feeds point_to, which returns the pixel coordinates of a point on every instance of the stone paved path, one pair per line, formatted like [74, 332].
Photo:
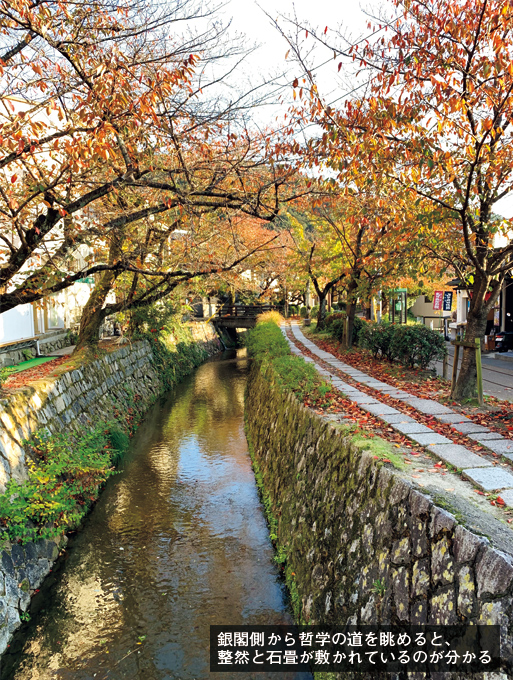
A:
[480, 471]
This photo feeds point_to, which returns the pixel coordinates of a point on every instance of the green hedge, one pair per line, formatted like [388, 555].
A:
[266, 344]
[415, 345]
[412, 346]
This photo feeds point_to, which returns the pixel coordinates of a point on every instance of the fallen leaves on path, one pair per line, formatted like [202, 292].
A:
[385, 430]
[497, 415]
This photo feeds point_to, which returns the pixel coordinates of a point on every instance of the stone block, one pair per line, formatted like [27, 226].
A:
[369, 613]
[431, 439]
[428, 406]
[441, 520]
[368, 540]
[443, 608]
[419, 539]
[17, 555]
[380, 409]
[412, 428]
[420, 579]
[466, 545]
[364, 399]
[392, 419]
[484, 437]
[442, 564]
[419, 503]
[490, 479]
[400, 490]
[458, 456]
[466, 592]
[401, 588]
[452, 417]
[401, 551]
[467, 428]
[419, 613]
[501, 446]
[494, 573]
[7, 564]
[493, 614]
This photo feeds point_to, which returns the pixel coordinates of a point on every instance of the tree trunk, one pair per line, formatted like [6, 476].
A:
[351, 313]
[93, 315]
[466, 384]
[321, 314]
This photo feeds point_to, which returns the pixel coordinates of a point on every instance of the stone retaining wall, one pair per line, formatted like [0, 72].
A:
[77, 395]
[348, 523]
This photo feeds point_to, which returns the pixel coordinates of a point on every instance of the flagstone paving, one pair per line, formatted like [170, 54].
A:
[475, 468]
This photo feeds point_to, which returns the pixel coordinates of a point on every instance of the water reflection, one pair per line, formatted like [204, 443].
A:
[177, 542]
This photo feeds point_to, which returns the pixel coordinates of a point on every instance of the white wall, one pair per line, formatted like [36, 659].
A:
[17, 324]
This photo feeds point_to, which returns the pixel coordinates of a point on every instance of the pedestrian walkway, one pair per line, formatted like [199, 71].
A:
[475, 468]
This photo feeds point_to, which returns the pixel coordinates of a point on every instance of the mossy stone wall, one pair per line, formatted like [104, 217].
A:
[362, 545]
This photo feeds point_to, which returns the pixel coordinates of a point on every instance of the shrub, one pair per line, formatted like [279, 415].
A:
[293, 310]
[417, 345]
[378, 338]
[303, 312]
[336, 316]
[64, 477]
[337, 328]
[314, 311]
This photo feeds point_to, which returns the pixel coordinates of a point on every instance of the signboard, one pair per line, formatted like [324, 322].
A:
[438, 300]
[447, 301]
[497, 316]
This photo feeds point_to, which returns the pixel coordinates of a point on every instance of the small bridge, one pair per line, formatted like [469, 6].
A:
[240, 316]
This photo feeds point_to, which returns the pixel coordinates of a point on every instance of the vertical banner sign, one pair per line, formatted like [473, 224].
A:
[447, 301]
[497, 316]
[437, 300]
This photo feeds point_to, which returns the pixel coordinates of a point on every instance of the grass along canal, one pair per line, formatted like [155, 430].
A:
[177, 542]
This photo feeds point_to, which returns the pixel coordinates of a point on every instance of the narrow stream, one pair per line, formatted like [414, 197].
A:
[177, 542]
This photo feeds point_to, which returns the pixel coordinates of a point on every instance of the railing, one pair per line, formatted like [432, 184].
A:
[245, 310]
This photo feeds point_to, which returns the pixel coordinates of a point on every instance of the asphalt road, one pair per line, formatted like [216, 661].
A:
[497, 374]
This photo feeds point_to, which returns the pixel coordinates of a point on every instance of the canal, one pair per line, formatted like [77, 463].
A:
[177, 542]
